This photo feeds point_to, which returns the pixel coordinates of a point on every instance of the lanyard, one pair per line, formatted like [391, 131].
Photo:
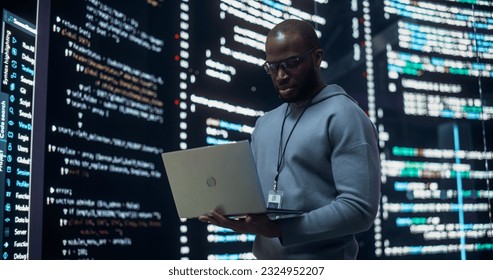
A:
[282, 150]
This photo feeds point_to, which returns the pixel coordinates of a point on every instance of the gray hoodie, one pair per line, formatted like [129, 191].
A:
[330, 169]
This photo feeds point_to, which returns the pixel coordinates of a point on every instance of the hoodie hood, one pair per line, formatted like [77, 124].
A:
[327, 92]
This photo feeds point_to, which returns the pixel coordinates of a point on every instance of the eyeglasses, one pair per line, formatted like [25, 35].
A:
[287, 65]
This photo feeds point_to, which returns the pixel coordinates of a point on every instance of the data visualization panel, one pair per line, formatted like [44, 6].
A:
[16, 104]
[429, 88]
[106, 90]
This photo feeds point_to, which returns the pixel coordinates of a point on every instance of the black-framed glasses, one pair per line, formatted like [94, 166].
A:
[287, 65]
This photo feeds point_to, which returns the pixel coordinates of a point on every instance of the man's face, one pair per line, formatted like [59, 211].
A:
[295, 74]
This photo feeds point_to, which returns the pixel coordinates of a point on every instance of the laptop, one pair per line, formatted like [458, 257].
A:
[222, 177]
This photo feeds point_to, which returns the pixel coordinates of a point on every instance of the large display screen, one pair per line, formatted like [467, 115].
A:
[16, 113]
[119, 82]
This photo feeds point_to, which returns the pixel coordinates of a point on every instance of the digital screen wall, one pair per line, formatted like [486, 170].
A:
[102, 88]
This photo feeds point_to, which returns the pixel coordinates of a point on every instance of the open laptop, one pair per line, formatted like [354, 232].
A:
[222, 177]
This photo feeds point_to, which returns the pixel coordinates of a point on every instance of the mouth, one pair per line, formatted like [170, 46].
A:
[285, 90]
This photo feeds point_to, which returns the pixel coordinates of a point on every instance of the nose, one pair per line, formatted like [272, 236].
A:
[281, 74]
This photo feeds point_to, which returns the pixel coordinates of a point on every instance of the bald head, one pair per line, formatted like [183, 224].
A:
[295, 28]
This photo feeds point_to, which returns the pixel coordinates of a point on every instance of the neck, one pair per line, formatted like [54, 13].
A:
[308, 98]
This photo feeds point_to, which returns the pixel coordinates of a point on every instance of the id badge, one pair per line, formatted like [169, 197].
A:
[275, 199]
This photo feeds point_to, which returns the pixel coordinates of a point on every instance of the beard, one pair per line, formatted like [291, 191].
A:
[290, 98]
[303, 92]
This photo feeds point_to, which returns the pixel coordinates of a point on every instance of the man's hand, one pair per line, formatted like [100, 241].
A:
[254, 224]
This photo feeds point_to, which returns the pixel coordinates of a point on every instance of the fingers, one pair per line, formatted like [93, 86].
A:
[248, 219]
[218, 217]
[214, 218]
[205, 219]
[253, 224]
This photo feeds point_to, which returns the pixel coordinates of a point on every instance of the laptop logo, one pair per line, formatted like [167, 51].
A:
[211, 181]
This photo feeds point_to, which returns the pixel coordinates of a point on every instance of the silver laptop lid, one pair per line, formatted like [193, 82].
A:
[220, 177]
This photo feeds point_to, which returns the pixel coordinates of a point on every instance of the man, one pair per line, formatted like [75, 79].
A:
[316, 152]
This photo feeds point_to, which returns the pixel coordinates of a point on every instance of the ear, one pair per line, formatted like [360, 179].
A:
[318, 55]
